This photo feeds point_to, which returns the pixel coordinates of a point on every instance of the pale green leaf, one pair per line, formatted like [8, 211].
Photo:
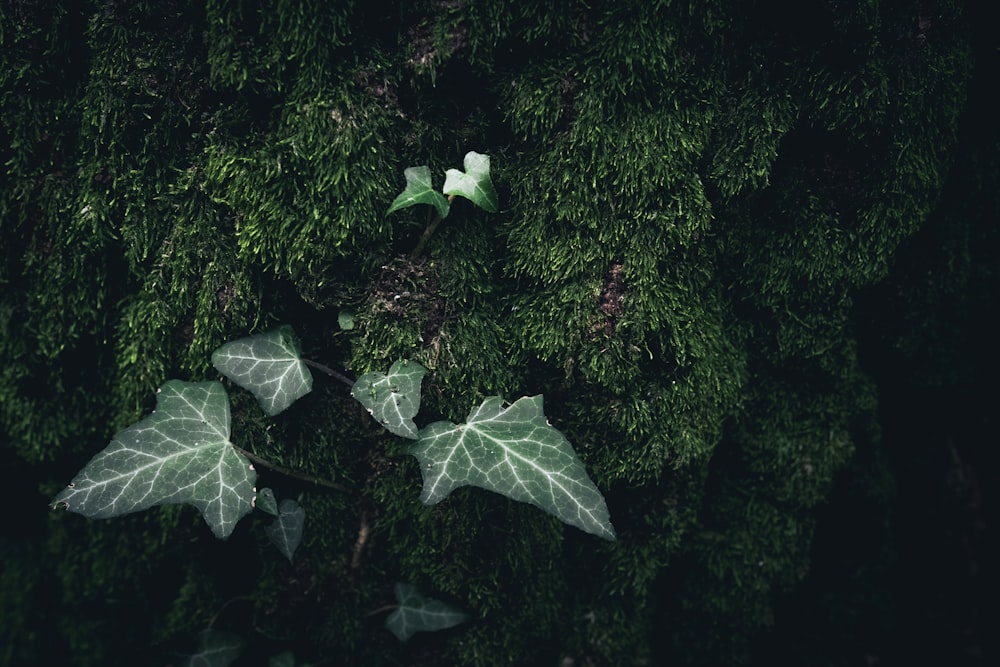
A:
[285, 532]
[179, 454]
[420, 190]
[513, 451]
[267, 365]
[266, 502]
[345, 319]
[394, 399]
[475, 183]
[215, 649]
[416, 613]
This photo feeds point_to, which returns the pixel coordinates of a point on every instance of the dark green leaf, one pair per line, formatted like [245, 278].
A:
[283, 659]
[215, 649]
[285, 532]
[419, 614]
[266, 502]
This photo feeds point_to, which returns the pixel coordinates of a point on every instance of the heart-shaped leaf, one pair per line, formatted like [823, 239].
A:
[215, 649]
[475, 183]
[515, 452]
[285, 532]
[266, 502]
[420, 190]
[393, 399]
[416, 613]
[267, 365]
[179, 454]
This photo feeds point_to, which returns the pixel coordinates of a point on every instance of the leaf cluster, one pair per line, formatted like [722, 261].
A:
[182, 453]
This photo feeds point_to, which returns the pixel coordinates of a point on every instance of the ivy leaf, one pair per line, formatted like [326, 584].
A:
[285, 532]
[475, 183]
[419, 190]
[513, 451]
[393, 399]
[266, 502]
[268, 366]
[416, 613]
[283, 659]
[215, 649]
[345, 319]
[179, 454]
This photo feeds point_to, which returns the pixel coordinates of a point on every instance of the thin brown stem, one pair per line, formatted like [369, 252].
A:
[382, 609]
[293, 473]
[428, 232]
[359, 544]
[238, 598]
[329, 371]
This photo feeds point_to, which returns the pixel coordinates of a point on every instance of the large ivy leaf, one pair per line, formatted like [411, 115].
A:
[267, 365]
[285, 532]
[420, 190]
[215, 649]
[179, 454]
[416, 613]
[394, 399]
[513, 451]
[475, 183]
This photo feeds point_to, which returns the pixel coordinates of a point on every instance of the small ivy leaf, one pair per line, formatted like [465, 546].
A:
[394, 399]
[268, 366]
[283, 659]
[515, 452]
[266, 502]
[416, 613]
[475, 183]
[179, 454]
[345, 320]
[215, 649]
[420, 190]
[285, 532]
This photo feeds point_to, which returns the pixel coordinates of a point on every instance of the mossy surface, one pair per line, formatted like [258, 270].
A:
[692, 196]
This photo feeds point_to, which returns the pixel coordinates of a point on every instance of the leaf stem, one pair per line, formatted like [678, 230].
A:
[292, 473]
[238, 598]
[428, 232]
[382, 609]
[359, 544]
[329, 371]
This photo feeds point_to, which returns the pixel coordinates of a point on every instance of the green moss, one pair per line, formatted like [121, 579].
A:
[689, 206]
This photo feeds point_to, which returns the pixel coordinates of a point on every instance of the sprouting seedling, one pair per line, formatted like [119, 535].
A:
[474, 184]
[183, 454]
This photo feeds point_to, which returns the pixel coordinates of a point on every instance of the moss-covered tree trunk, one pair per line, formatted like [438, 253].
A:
[692, 195]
